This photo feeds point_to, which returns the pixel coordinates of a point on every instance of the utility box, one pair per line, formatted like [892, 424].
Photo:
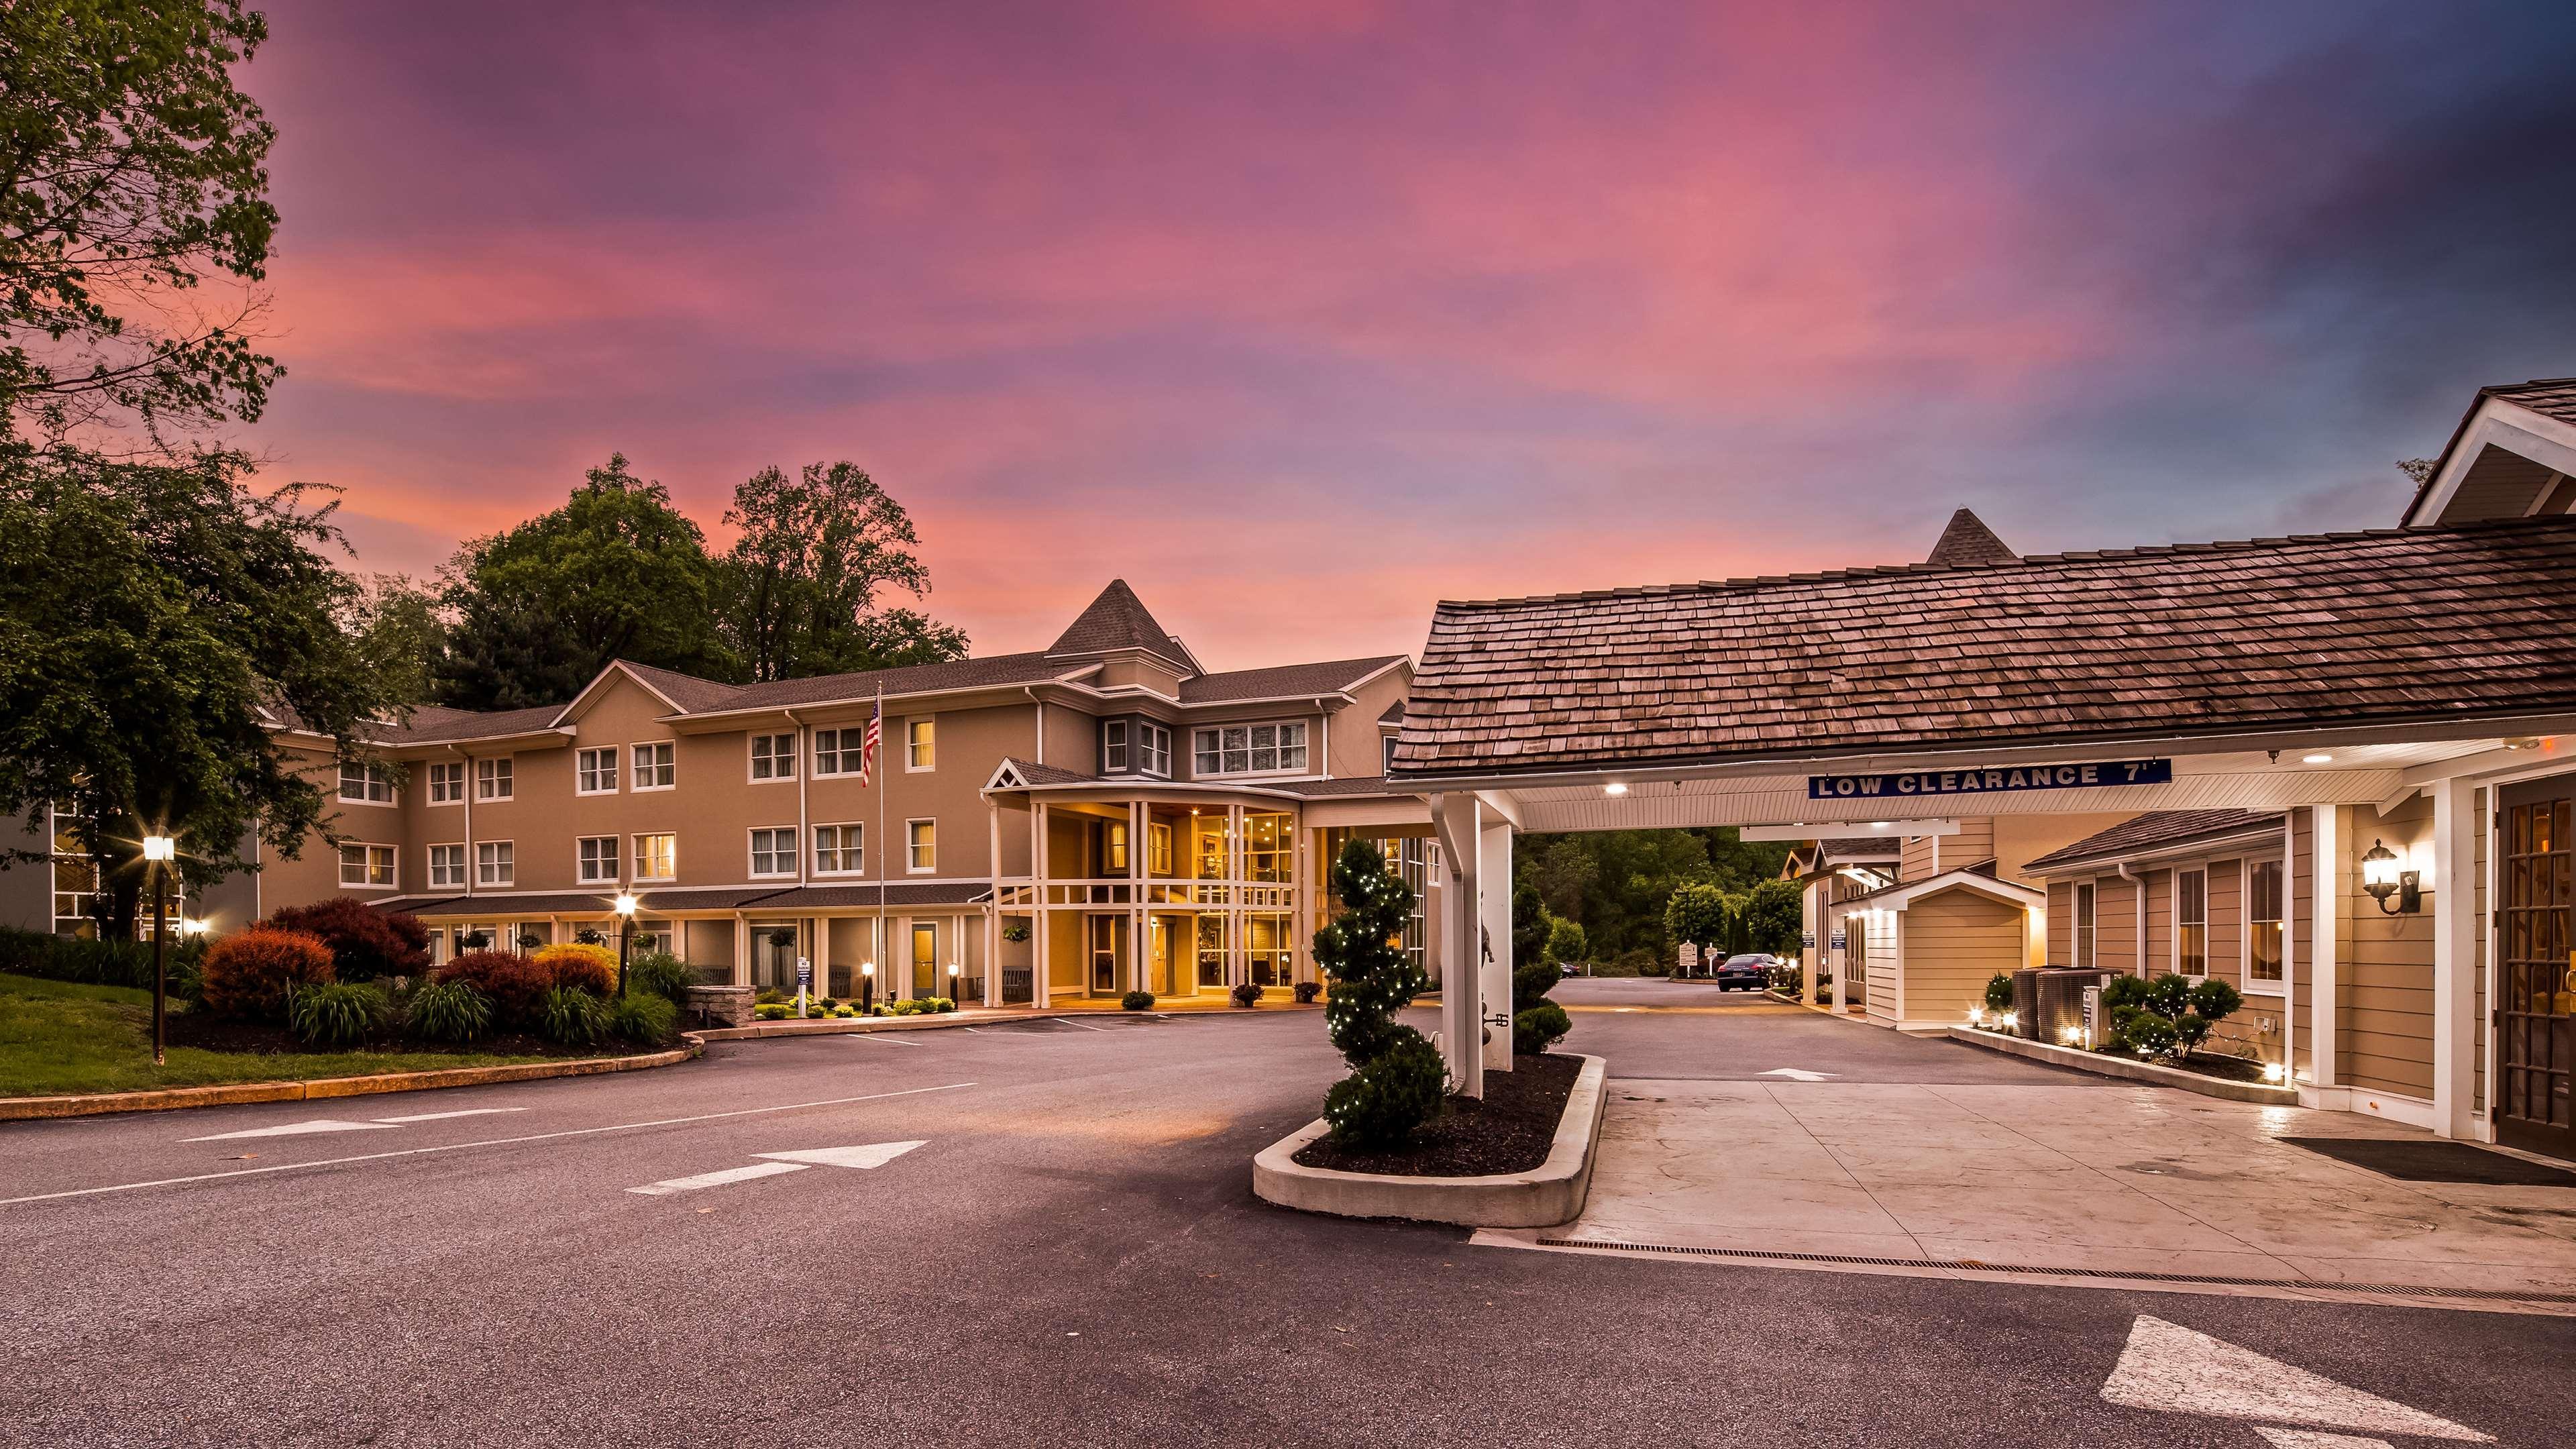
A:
[2048, 1002]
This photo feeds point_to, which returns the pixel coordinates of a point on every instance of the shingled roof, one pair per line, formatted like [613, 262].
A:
[1967, 540]
[432, 724]
[2384, 627]
[1118, 620]
[1287, 681]
[2157, 830]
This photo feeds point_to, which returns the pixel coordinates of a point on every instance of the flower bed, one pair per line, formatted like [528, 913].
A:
[1510, 1129]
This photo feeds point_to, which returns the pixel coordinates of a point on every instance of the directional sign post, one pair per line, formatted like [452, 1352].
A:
[804, 982]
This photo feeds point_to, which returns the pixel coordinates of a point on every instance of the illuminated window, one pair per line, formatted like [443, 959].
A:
[2191, 922]
[2084, 924]
[920, 744]
[921, 845]
[366, 865]
[2263, 921]
[657, 857]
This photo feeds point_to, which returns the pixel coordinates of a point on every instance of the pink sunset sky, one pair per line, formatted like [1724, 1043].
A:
[1300, 315]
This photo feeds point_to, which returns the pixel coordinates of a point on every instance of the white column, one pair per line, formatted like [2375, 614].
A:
[1494, 912]
[1038, 915]
[2454, 907]
[1139, 948]
[2327, 836]
[822, 928]
[1461, 983]
[741, 950]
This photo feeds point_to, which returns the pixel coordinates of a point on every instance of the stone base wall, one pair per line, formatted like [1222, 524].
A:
[719, 1005]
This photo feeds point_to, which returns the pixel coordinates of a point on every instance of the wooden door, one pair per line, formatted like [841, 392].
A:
[2535, 1009]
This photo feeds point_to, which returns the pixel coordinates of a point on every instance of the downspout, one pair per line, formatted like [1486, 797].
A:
[466, 788]
[800, 793]
[1031, 691]
[2137, 915]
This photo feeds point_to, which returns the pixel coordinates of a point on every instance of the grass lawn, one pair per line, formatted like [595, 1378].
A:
[59, 1037]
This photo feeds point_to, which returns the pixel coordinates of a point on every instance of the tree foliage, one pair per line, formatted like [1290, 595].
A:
[1531, 925]
[398, 630]
[1697, 913]
[1617, 882]
[616, 573]
[814, 552]
[157, 619]
[131, 173]
[1396, 1079]
[1774, 915]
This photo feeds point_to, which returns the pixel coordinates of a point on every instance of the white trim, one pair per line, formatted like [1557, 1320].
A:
[635, 868]
[2453, 902]
[616, 768]
[510, 845]
[614, 666]
[1305, 747]
[503, 767]
[429, 862]
[634, 759]
[2502, 423]
[751, 851]
[2325, 846]
[369, 773]
[908, 867]
[367, 864]
[429, 785]
[751, 757]
[2173, 913]
[2009, 892]
[2370, 1102]
[819, 872]
[2246, 981]
[616, 860]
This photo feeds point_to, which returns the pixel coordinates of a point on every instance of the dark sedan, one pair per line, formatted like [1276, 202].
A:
[1752, 972]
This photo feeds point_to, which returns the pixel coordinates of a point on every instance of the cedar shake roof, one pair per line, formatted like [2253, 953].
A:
[1119, 620]
[2157, 830]
[1968, 541]
[2551, 397]
[1287, 680]
[2384, 627]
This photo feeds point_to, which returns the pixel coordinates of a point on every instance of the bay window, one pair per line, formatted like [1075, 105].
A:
[1250, 749]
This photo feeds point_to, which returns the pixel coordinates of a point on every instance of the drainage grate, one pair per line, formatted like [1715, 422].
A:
[1970, 1265]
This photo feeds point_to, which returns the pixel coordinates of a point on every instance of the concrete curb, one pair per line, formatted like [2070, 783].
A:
[1551, 1194]
[167, 1099]
[2135, 1071]
[850, 1025]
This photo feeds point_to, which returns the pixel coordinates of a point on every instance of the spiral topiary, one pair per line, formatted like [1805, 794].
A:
[1397, 1080]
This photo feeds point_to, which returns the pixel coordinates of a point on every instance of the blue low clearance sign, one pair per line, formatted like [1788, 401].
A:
[1910, 783]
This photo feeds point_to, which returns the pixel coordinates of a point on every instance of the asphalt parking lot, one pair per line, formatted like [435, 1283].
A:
[1031, 1232]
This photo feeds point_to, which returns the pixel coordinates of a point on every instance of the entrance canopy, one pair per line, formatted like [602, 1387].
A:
[2341, 668]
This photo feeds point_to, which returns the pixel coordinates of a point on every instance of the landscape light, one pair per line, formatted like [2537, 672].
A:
[2010, 1019]
[160, 847]
[2274, 1071]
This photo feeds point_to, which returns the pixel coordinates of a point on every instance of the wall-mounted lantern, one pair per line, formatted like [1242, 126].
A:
[2382, 879]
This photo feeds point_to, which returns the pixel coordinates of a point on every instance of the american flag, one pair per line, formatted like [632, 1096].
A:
[868, 746]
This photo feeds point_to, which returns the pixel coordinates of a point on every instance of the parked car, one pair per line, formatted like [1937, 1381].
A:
[1751, 971]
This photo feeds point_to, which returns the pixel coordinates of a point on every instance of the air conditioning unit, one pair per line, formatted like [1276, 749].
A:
[2047, 1001]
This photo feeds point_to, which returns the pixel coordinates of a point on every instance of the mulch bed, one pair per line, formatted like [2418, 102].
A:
[221, 1034]
[1509, 1130]
[2225, 1068]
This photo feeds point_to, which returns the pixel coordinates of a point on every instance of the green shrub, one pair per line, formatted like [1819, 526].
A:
[1540, 1027]
[2169, 995]
[662, 974]
[776, 1010]
[251, 973]
[1137, 1001]
[1532, 983]
[942, 1004]
[1245, 994]
[768, 996]
[513, 983]
[1307, 991]
[642, 1017]
[449, 1011]
[336, 1014]
[571, 1016]
[1379, 1105]
[79, 958]
[2191, 1029]
[2214, 1000]
[1565, 942]
[1999, 992]
[2124, 990]
[2149, 1035]
[365, 942]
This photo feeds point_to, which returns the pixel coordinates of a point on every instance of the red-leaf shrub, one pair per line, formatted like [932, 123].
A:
[512, 981]
[591, 968]
[365, 942]
[249, 972]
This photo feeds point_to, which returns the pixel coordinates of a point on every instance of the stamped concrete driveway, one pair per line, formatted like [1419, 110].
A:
[1898, 1155]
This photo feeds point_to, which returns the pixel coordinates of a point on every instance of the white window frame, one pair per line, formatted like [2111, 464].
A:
[615, 857]
[920, 738]
[1113, 747]
[635, 855]
[440, 777]
[368, 859]
[2250, 983]
[496, 862]
[912, 847]
[1224, 749]
[2199, 868]
[839, 752]
[586, 766]
[774, 760]
[783, 861]
[375, 784]
[496, 778]
[2084, 920]
[853, 856]
[454, 873]
[1154, 750]
[648, 756]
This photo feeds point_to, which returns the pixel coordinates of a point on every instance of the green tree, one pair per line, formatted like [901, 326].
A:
[1566, 942]
[1530, 926]
[1775, 917]
[132, 172]
[1396, 1079]
[396, 628]
[157, 621]
[1696, 913]
[815, 551]
[616, 573]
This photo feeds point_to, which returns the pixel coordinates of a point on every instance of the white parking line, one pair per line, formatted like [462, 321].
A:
[872, 1036]
[486, 1142]
[717, 1179]
[443, 1116]
[1086, 1026]
[293, 1129]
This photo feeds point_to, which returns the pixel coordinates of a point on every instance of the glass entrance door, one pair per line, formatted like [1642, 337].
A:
[925, 958]
[1108, 945]
[2535, 936]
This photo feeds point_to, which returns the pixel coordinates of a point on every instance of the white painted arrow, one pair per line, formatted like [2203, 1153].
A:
[1797, 1074]
[716, 1179]
[2171, 1368]
[874, 1154]
[295, 1129]
[443, 1116]
[2316, 1439]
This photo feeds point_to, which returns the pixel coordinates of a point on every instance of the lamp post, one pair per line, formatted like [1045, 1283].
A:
[625, 933]
[158, 852]
[867, 987]
[952, 981]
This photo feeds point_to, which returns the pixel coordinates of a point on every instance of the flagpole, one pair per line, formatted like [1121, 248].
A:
[885, 847]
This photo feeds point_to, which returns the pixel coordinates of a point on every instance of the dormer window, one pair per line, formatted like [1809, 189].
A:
[1135, 746]
[1113, 747]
